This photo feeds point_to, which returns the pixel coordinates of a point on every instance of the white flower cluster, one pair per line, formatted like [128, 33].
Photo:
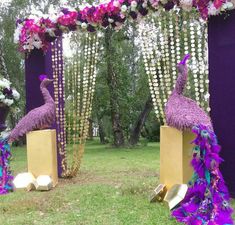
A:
[4, 98]
[186, 5]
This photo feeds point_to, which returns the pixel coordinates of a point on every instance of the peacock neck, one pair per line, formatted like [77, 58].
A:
[46, 95]
[181, 80]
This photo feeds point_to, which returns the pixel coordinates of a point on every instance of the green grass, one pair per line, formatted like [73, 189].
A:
[112, 189]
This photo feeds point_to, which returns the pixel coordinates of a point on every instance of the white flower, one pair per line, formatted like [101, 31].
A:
[53, 17]
[133, 5]
[228, 5]
[4, 83]
[124, 8]
[116, 4]
[110, 20]
[145, 4]
[8, 102]
[37, 43]
[17, 33]
[186, 4]
[84, 25]
[16, 94]
[212, 11]
[2, 96]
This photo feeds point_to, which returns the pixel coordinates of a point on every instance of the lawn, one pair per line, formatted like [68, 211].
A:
[112, 189]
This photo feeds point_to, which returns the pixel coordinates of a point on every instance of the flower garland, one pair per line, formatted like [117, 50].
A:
[39, 32]
[207, 200]
[5, 173]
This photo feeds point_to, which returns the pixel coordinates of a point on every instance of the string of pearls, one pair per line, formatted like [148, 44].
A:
[57, 68]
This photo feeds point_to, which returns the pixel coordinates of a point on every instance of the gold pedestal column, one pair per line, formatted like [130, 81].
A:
[175, 156]
[42, 154]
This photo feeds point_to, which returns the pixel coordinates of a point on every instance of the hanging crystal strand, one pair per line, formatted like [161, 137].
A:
[58, 95]
[144, 45]
[78, 83]
[69, 102]
[201, 70]
[193, 60]
[167, 75]
[90, 79]
[203, 67]
[162, 70]
[74, 89]
[206, 65]
[173, 60]
[94, 58]
[73, 114]
[178, 39]
[86, 87]
[153, 75]
[62, 99]
[186, 22]
[177, 17]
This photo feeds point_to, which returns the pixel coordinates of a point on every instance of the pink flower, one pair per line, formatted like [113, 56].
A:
[218, 3]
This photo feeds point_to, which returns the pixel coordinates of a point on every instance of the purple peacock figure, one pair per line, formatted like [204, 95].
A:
[39, 118]
[207, 199]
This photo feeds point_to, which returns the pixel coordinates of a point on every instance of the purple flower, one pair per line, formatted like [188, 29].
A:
[105, 21]
[65, 11]
[143, 11]
[19, 21]
[133, 15]
[90, 28]
[91, 11]
[7, 92]
[72, 27]
[169, 5]
[49, 38]
[42, 77]
[58, 32]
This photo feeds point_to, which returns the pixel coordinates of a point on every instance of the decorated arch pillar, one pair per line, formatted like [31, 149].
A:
[36, 63]
[222, 89]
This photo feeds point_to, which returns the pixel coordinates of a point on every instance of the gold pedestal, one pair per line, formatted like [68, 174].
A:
[175, 156]
[42, 154]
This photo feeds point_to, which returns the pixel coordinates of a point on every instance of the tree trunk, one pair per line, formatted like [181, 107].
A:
[113, 88]
[101, 131]
[135, 133]
[90, 136]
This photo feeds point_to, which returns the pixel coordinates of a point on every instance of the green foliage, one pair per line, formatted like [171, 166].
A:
[133, 89]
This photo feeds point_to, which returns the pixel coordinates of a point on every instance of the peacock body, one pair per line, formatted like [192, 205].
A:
[39, 118]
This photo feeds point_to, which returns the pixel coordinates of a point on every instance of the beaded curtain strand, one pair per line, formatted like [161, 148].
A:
[80, 77]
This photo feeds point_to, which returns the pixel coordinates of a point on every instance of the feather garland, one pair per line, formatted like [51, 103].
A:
[207, 199]
[5, 173]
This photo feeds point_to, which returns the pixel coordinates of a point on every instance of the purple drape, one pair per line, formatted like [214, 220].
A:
[222, 85]
[36, 63]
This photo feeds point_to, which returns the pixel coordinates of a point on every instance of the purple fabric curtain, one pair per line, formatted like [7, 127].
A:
[36, 63]
[222, 85]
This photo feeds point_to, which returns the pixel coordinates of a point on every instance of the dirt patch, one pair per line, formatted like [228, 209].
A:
[85, 177]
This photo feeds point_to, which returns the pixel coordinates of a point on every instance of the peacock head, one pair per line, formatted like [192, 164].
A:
[182, 65]
[45, 80]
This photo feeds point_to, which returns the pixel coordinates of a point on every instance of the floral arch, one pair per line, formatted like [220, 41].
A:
[178, 26]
